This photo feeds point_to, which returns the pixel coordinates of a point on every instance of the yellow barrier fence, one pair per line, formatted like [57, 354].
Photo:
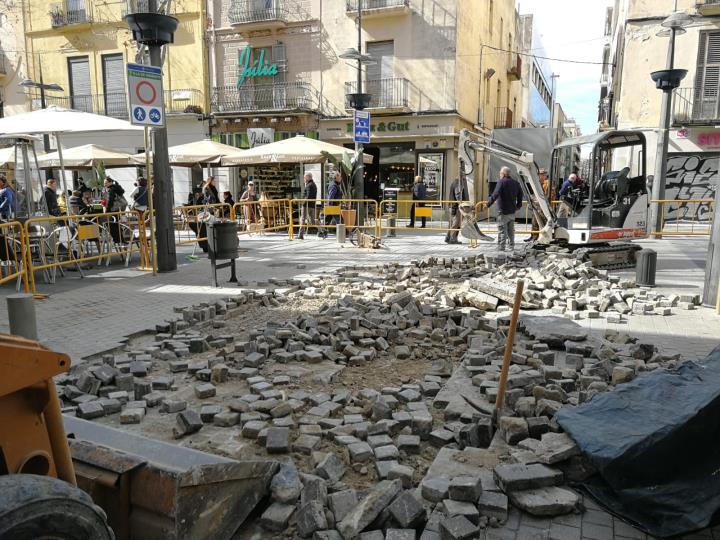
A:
[322, 214]
[270, 215]
[692, 217]
[56, 242]
[397, 210]
[190, 221]
[12, 254]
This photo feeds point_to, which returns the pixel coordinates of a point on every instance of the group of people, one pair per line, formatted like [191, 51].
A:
[208, 194]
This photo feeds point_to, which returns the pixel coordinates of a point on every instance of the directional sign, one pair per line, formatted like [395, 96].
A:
[361, 123]
[146, 95]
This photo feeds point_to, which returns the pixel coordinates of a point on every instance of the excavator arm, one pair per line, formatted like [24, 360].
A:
[471, 142]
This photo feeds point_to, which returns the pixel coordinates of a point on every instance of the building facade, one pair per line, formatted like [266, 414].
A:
[12, 65]
[537, 81]
[276, 71]
[629, 99]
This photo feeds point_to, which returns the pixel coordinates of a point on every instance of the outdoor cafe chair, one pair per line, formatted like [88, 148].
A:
[11, 258]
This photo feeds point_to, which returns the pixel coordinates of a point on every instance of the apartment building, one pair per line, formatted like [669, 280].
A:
[276, 71]
[537, 82]
[629, 99]
[12, 96]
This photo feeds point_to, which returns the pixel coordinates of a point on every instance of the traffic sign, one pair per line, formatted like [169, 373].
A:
[146, 95]
[361, 125]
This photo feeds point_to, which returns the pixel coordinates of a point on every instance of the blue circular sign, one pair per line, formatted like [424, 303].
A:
[139, 114]
[155, 115]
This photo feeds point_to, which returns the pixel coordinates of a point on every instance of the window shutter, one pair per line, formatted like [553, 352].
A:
[280, 89]
[114, 85]
[707, 80]
[80, 89]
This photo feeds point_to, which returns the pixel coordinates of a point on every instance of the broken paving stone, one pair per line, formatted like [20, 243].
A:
[457, 528]
[331, 468]
[461, 508]
[90, 410]
[441, 437]
[369, 508]
[314, 489]
[188, 422]
[252, 428]
[493, 504]
[208, 412]
[278, 440]
[285, 486]
[518, 477]
[465, 488]
[132, 416]
[342, 502]
[310, 518]
[513, 429]
[203, 391]
[277, 516]
[548, 501]
[400, 534]
[386, 452]
[400, 472]
[306, 444]
[435, 489]
[226, 419]
[556, 447]
[407, 511]
[360, 452]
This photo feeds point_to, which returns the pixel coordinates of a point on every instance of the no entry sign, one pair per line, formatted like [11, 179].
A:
[146, 95]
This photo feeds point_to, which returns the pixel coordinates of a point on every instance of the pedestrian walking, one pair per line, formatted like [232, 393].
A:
[227, 199]
[250, 198]
[307, 210]
[8, 200]
[534, 206]
[457, 195]
[50, 195]
[419, 193]
[508, 195]
[334, 193]
[210, 192]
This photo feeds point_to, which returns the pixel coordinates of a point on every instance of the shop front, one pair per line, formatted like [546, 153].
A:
[402, 148]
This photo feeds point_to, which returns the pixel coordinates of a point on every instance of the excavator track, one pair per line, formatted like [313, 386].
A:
[610, 257]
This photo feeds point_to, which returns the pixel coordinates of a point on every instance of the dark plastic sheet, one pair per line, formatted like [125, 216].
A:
[656, 445]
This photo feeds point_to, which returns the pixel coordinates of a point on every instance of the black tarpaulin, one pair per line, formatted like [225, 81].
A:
[656, 445]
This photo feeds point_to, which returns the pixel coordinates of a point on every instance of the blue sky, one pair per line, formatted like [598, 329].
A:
[573, 30]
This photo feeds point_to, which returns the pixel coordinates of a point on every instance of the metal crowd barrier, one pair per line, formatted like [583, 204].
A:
[190, 221]
[327, 213]
[56, 242]
[687, 216]
[13, 247]
[262, 216]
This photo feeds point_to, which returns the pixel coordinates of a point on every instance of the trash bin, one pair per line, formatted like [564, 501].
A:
[223, 241]
[646, 267]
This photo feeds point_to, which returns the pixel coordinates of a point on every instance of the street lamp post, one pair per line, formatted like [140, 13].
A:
[666, 80]
[52, 87]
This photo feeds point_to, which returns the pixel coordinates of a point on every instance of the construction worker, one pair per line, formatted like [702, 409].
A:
[508, 195]
[566, 191]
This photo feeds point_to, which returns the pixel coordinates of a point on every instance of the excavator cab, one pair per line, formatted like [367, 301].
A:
[611, 201]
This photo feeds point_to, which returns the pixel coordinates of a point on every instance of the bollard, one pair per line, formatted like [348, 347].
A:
[21, 314]
[391, 225]
[646, 266]
[340, 233]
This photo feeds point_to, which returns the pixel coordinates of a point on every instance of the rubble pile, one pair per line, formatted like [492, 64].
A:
[363, 456]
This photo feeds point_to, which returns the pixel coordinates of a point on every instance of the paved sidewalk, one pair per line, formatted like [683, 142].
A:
[84, 317]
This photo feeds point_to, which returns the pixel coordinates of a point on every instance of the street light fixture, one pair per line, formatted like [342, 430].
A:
[666, 80]
[42, 86]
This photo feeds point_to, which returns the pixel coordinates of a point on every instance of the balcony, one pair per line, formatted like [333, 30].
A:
[183, 101]
[387, 94]
[708, 7]
[265, 98]
[503, 118]
[694, 108]
[514, 69]
[378, 8]
[247, 15]
[69, 14]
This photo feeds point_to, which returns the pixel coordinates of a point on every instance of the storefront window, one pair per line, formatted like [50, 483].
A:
[397, 165]
[431, 168]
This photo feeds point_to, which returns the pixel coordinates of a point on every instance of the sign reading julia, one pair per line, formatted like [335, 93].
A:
[260, 136]
[250, 69]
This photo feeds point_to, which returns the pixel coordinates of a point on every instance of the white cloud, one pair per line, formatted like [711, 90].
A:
[573, 30]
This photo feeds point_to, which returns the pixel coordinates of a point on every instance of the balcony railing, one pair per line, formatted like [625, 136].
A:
[247, 12]
[695, 107]
[514, 68]
[386, 93]
[503, 118]
[184, 101]
[143, 6]
[279, 97]
[378, 7]
[67, 14]
[708, 7]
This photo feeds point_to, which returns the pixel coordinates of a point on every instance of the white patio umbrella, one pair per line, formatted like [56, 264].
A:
[297, 149]
[86, 156]
[58, 120]
[7, 157]
[204, 152]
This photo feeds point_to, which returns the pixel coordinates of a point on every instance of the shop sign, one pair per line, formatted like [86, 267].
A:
[381, 127]
[260, 136]
[708, 139]
[258, 68]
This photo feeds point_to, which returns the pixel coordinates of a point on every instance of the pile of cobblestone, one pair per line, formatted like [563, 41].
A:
[437, 313]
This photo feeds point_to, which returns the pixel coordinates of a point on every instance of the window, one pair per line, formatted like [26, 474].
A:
[383, 53]
[707, 80]
[491, 16]
[80, 89]
[113, 68]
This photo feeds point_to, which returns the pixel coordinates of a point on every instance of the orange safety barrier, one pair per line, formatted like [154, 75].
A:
[55, 242]
[687, 215]
[321, 214]
[13, 247]
[400, 211]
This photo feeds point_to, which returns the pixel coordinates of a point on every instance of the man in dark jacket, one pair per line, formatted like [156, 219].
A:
[457, 194]
[334, 193]
[50, 195]
[419, 193]
[115, 199]
[307, 210]
[508, 195]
